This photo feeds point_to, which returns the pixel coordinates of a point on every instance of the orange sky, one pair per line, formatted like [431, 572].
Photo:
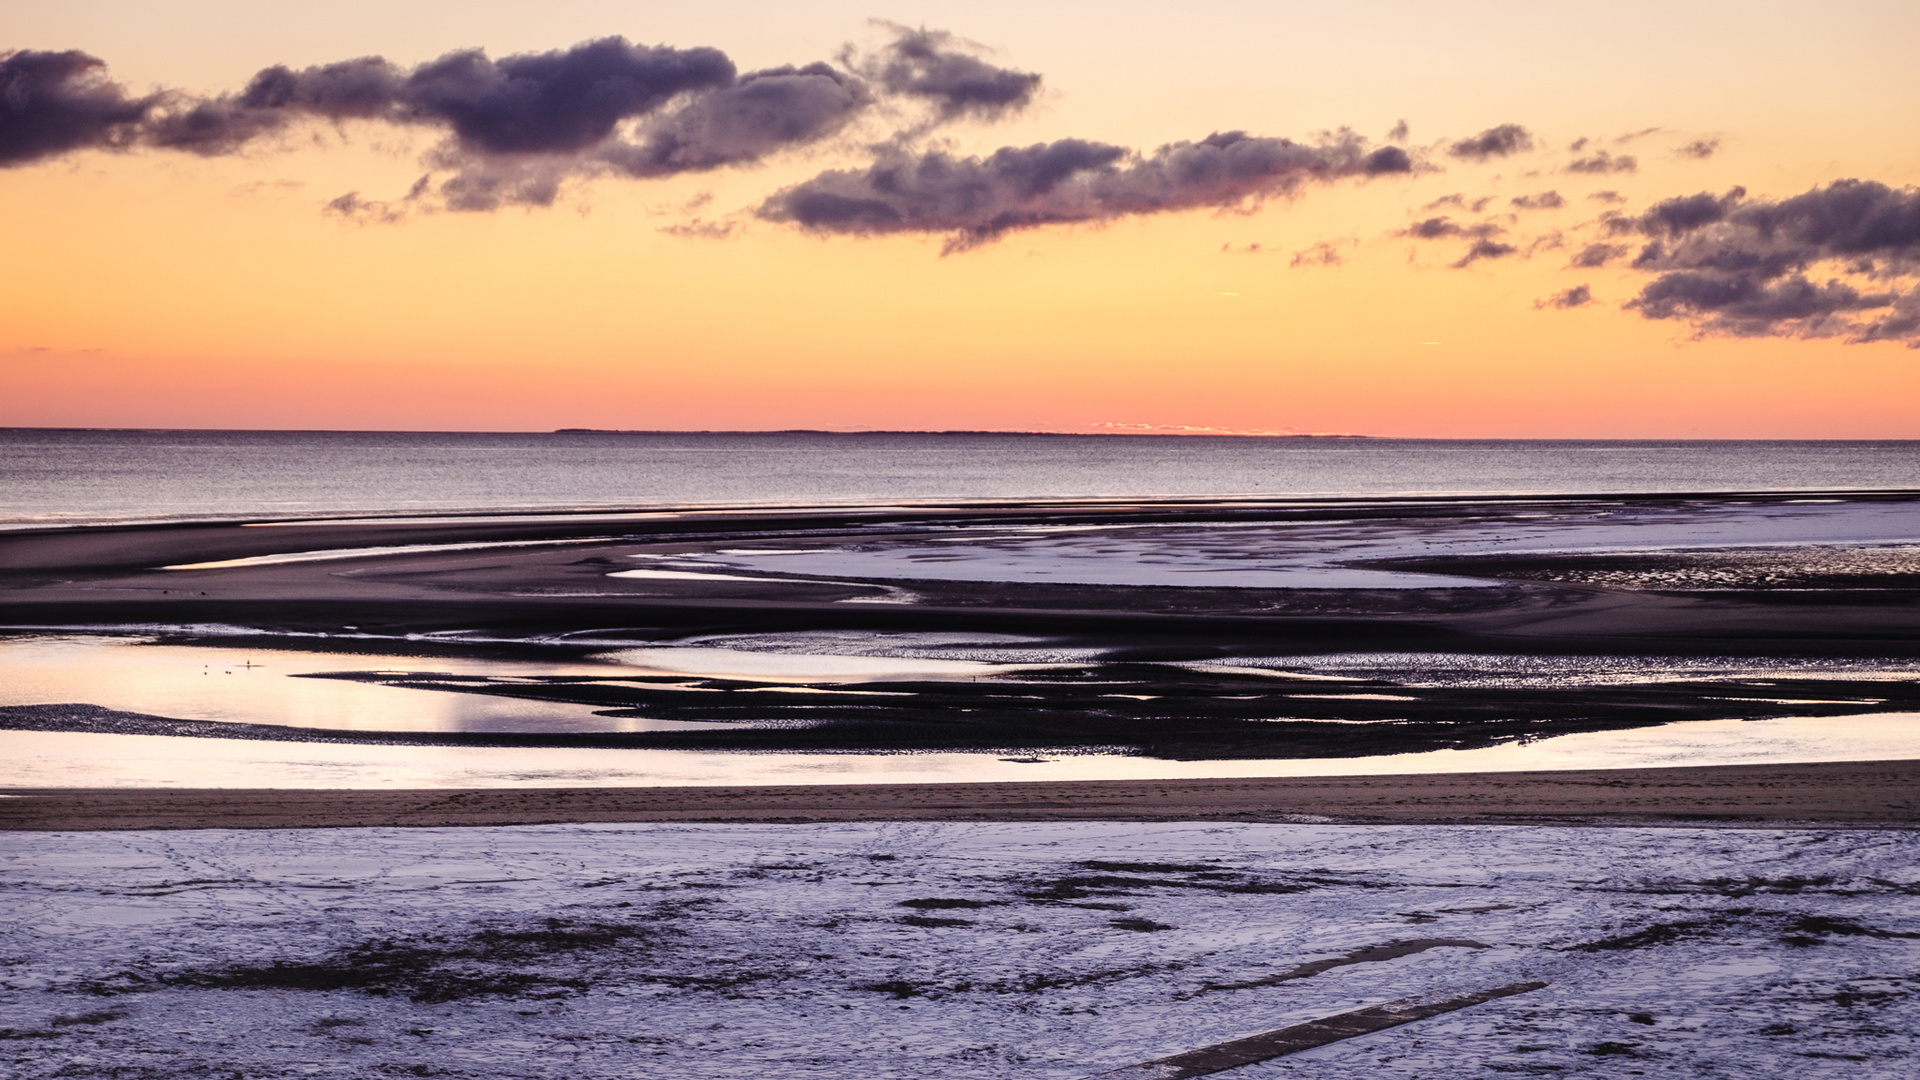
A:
[149, 288]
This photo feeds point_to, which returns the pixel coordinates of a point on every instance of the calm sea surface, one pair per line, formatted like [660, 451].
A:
[51, 476]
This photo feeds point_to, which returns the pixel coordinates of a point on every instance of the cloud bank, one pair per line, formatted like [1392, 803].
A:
[1836, 261]
[515, 128]
[974, 200]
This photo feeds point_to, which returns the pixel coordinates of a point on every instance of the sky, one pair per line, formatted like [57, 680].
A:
[1476, 219]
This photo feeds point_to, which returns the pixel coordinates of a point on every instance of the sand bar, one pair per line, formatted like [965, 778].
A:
[1883, 794]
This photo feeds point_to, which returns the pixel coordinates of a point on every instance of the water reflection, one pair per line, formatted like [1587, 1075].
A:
[259, 686]
[263, 686]
[69, 759]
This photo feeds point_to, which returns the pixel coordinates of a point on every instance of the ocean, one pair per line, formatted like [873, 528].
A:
[58, 476]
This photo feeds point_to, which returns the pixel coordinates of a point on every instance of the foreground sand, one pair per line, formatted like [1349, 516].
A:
[1883, 793]
[975, 950]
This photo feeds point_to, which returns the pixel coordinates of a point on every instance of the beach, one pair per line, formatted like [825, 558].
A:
[1024, 789]
[1023, 949]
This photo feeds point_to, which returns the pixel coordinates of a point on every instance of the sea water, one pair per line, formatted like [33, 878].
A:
[54, 476]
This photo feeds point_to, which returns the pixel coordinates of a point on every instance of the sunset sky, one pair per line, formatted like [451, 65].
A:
[1674, 219]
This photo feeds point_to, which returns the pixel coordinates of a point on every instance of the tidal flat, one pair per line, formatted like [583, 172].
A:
[1178, 631]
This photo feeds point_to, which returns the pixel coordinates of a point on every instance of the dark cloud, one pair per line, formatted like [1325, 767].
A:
[1398, 132]
[1836, 261]
[533, 104]
[1485, 248]
[936, 67]
[1460, 202]
[976, 199]
[558, 102]
[1578, 296]
[1494, 142]
[1598, 255]
[1607, 197]
[53, 103]
[1437, 228]
[1699, 148]
[1678, 216]
[366, 88]
[1488, 238]
[1545, 200]
[1601, 161]
[379, 211]
[518, 127]
[762, 113]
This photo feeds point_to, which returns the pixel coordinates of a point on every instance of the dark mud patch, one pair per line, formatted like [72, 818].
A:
[1816, 929]
[1083, 886]
[1657, 934]
[521, 961]
[100, 1016]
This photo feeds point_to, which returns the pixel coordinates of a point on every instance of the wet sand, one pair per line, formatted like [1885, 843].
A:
[112, 576]
[1868, 794]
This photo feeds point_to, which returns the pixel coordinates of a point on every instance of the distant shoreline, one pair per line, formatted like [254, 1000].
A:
[1155, 432]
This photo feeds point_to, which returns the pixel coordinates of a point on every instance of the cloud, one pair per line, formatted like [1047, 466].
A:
[760, 114]
[1324, 253]
[1545, 200]
[1437, 228]
[975, 200]
[52, 103]
[1601, 161]
[515, 129]
[1607, 197]
[548, 104]
[1578, 296]
[1488, 238]
[701, 229]
[379, 211]
[1594, 255]
[1836, 261]
[1494, 142]
[1485, 248]
[1699, 148]
[1678, 216]
[936, 67]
